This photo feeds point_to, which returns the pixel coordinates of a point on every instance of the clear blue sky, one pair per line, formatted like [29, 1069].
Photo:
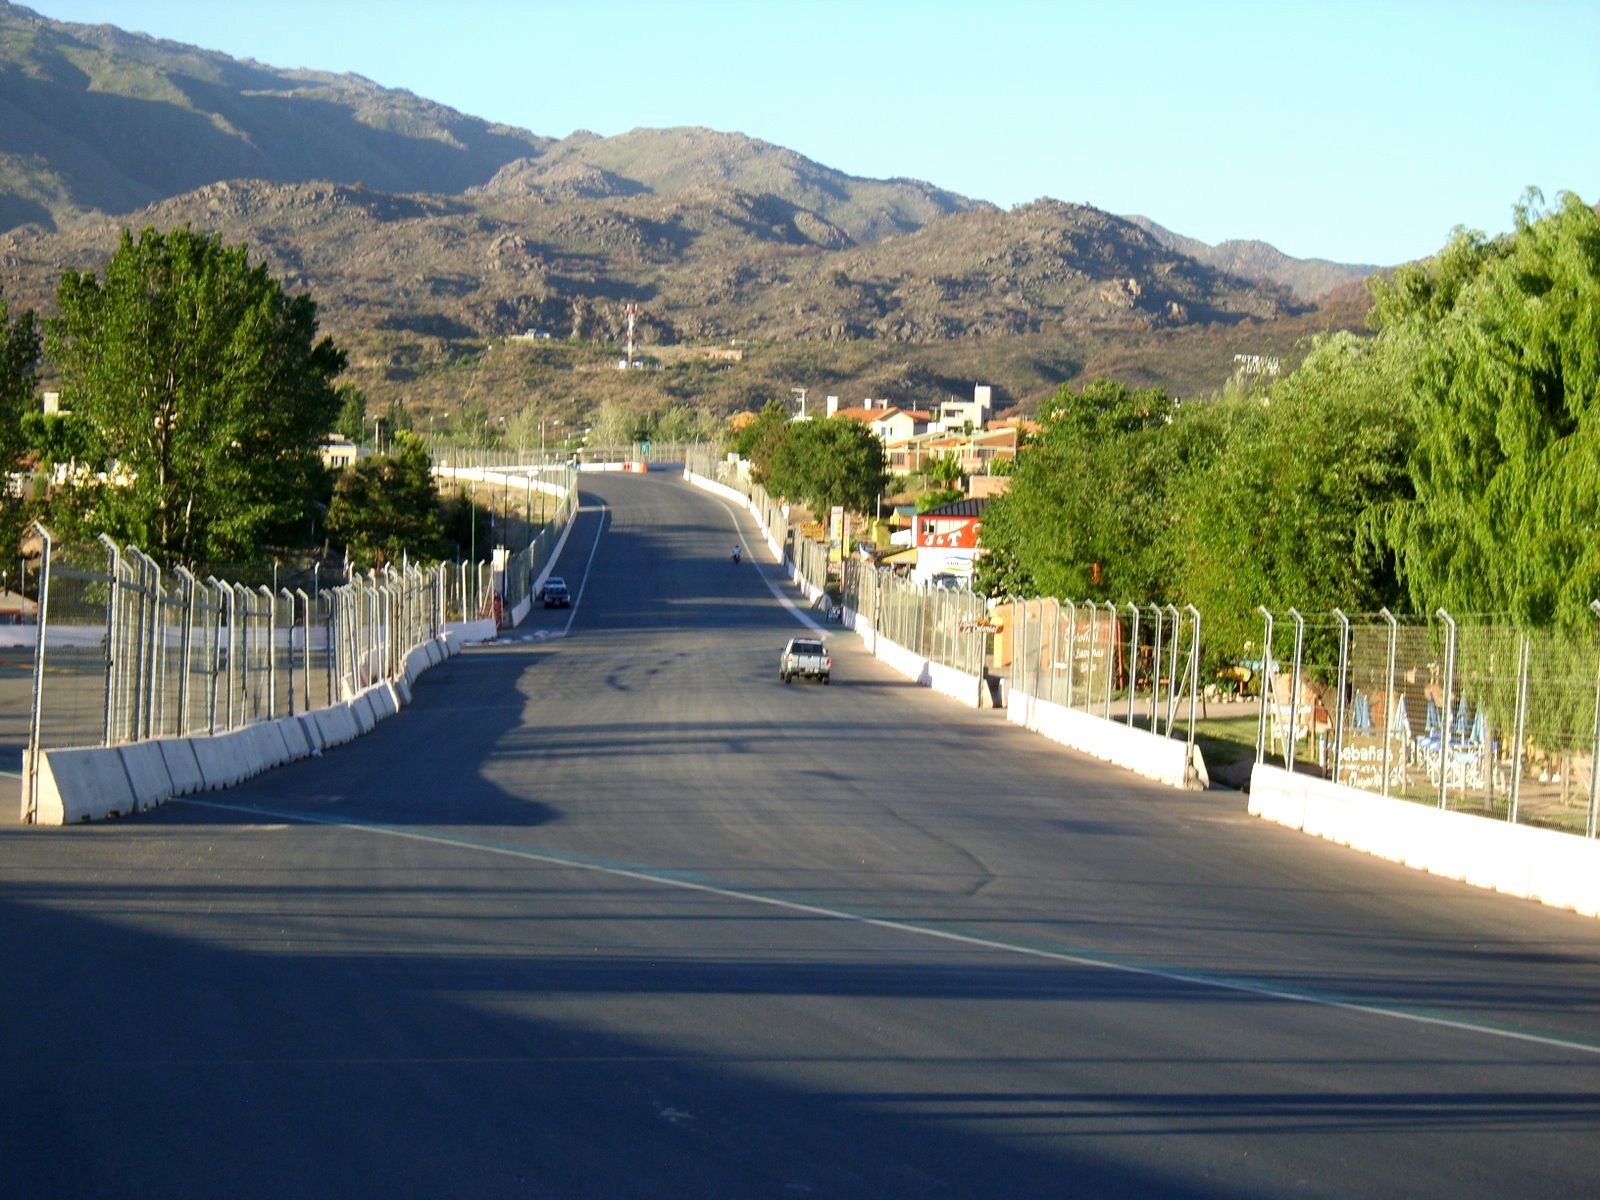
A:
[1354, 131]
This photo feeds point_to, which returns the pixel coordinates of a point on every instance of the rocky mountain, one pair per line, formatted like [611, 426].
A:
[95, 120]
[1308, 279]
[674, 161]
[424, 233]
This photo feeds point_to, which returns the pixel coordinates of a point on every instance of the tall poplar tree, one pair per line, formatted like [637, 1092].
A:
[1505, 388]
[206, 386]
[19, 371]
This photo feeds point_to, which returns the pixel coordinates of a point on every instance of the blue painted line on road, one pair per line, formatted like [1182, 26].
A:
[693, 882]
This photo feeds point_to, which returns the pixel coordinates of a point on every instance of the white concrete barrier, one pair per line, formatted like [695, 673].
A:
[88, 783]
[361, 709]
[224, 758]
[1163, 759]
[461, 633]
[148, 777]
[336, 725]
[183, 768]
[82, 785]
[418, 660]
[384, 703]
[1553, 868]
[266, 746]
[312, 731]
[294, 737]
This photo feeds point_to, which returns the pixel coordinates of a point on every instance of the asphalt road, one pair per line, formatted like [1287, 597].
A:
[610, 911]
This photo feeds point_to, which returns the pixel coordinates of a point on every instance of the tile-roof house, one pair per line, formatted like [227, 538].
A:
[889, 422]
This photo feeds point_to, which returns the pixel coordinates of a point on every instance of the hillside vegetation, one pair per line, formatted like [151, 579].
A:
[429, 238]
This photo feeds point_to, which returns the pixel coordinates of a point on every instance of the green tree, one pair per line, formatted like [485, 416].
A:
[1273, 513]
[937, 498]
[1503, 342]
[19, 375]
[386, 506]
[1087, 512]
[675, 423]
[524, 429]
[206, 383]
[758, 439]
[613, 427]
[397, 419]
[352, 413]
[60, 438]
[946, 471]
[831, 462]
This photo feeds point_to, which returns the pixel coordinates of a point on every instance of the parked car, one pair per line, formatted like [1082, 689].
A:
[555, 593]
[807, 658]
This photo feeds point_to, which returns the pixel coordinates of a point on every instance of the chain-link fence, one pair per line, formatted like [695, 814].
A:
[948, 626]
[507, 458]
[529, 507]
[1135, 664]
[1471, 715]
[127, 652]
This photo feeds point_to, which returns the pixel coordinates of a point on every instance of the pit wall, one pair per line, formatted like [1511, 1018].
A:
[95, 782]
[1553, 868]
[1163, 759]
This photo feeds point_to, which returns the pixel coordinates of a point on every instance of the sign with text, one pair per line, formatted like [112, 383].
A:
[949, 533]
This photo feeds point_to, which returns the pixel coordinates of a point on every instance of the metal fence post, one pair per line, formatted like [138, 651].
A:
[216, 659]
[1388, 704]
[1594, 749]
[272, 650]
[1133, 659]
[1294, 687]
[300, 602]
[1449, 706]
[1520, 726]
[1094, 639]
[113, 657]
[1262, 724]
[1155, 672]
[1172, 668]
[1072, 648]
[185, 647]
[1112, 656]
[1339, 706]
[30, 789]
[1194, 674]
[155, 648]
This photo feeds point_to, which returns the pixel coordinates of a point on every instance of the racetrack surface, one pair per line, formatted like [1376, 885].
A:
[610, 911]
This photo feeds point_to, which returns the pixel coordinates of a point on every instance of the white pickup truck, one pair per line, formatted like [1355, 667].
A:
[807, 658]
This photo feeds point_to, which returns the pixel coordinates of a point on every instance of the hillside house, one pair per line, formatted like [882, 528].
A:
[974, 414]
[974, 451]
[888, 422]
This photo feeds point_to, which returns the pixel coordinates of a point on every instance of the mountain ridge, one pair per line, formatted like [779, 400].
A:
[424, 233]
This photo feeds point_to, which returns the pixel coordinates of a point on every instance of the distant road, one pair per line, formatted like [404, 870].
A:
[612, 912]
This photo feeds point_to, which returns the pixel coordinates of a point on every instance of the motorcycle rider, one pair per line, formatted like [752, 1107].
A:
[738, 551]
